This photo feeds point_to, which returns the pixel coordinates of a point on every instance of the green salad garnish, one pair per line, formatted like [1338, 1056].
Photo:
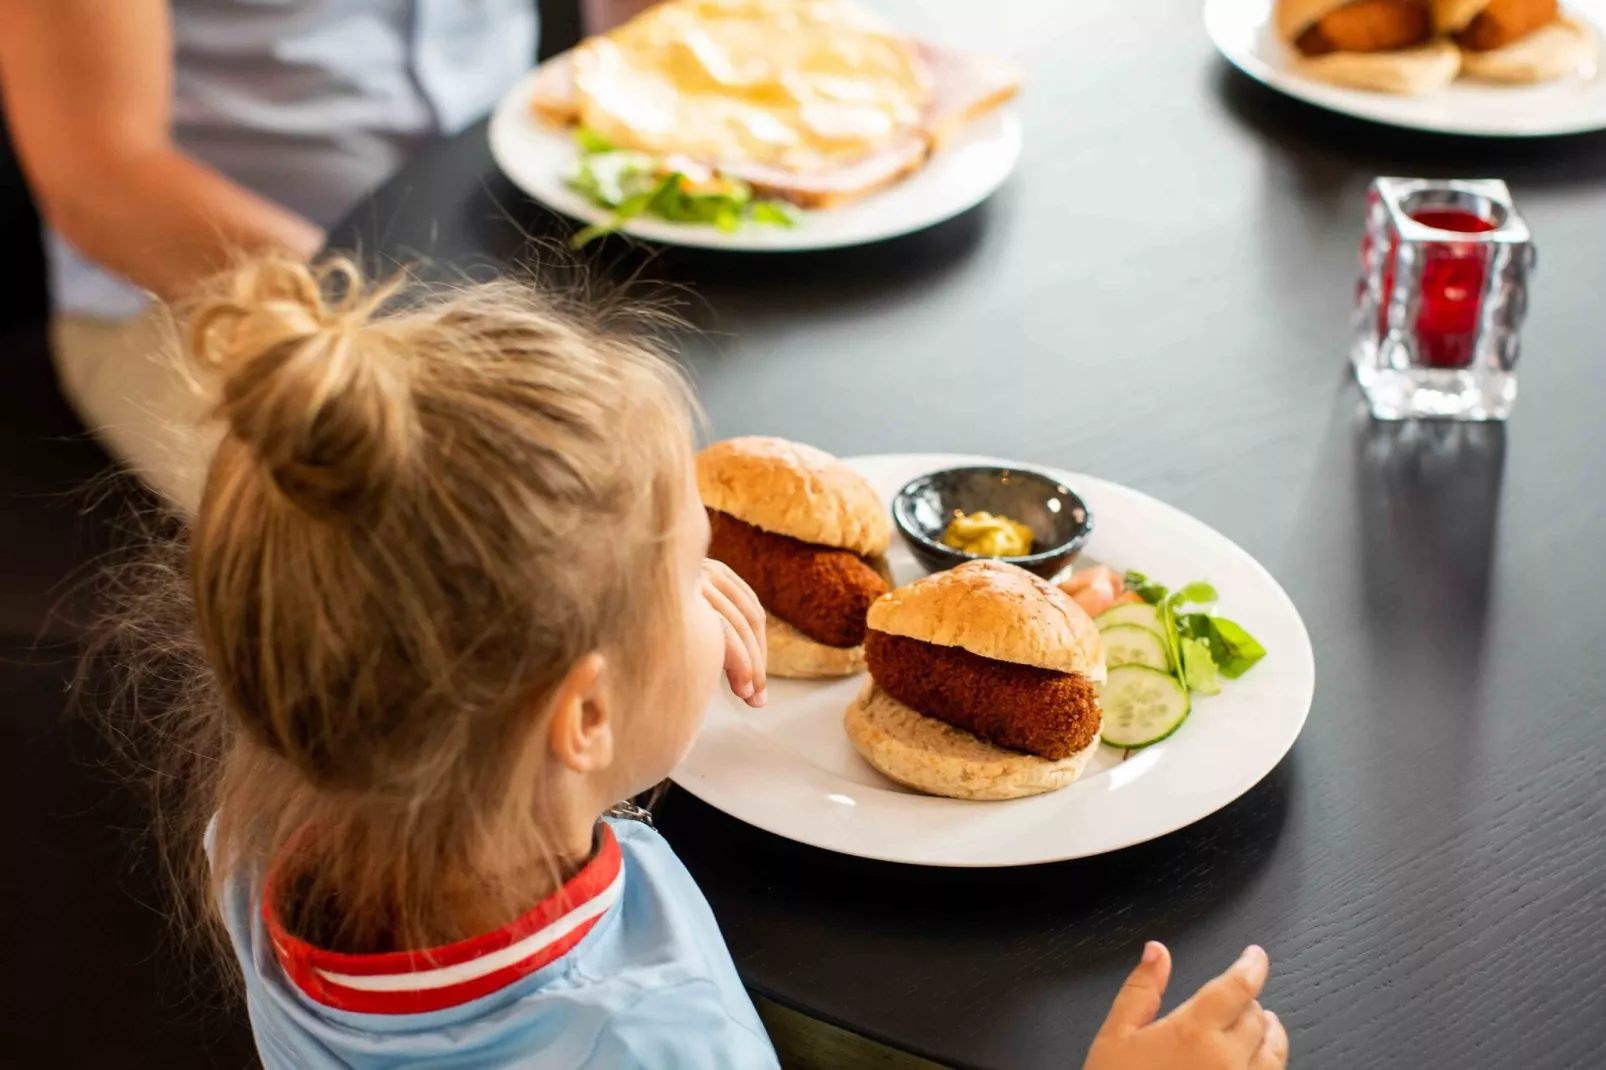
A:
[1202, 646]
[632, 184]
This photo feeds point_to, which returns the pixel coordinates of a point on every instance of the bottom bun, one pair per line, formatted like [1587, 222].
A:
[1409, 72]
[793, 655]
[1566, 46]
[929, 755]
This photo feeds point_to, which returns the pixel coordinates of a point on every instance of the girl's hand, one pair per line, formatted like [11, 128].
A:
[743, 617]
[1220, 1028]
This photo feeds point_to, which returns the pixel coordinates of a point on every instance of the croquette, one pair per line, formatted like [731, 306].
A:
[1039, 711]
[1368, 26]
[822, 592]
[1504, 21]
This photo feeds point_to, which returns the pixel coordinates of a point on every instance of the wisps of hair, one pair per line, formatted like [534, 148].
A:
[427, 503]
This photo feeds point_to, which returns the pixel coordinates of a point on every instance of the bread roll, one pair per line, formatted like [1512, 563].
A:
[995, 610]
[1563, 47]
[925, 754]
[793, 655]
[791, 489]
[1409, 72]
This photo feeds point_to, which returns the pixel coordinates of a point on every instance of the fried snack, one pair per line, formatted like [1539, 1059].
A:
[823, 593]
[1368, 26]
[1505, 21]
[1050, 714]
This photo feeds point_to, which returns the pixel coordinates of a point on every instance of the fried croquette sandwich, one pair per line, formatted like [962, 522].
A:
[1517, 41]
[807, 533]
[981, 685]
[1387, 46]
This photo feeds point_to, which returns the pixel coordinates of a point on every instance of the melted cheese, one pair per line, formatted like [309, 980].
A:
[802, 84]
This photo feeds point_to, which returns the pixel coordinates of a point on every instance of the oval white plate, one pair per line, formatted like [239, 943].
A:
[539, 158]
[789, 768]
[1242, 31]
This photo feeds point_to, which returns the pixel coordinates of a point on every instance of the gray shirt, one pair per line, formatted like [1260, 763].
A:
[313, 103]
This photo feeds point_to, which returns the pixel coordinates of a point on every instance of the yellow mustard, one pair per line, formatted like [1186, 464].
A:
[986, 535]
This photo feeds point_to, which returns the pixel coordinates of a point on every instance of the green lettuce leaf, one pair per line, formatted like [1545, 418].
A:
[608, 179]
[590, 141]
[772, 213]
[1199, 668]
[1236, 651]
[1152, 593]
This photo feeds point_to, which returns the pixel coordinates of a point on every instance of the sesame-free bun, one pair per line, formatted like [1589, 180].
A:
[1294, 17]
[928, 755]
[995, 610]
[794, 656]
[787, 488]
[1453, 16]
[1564, 46]
[1408, 72]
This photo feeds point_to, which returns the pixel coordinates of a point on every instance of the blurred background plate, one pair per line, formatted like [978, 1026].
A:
[539, 158]
[1242, 30]
[789, 769]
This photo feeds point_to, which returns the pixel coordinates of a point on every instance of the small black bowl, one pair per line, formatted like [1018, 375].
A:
[1060, 520]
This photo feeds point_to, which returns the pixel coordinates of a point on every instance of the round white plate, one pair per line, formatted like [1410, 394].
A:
[539, 158]
[789, 768]
[1243, 32]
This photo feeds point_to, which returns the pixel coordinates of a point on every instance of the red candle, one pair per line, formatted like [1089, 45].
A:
[1453, 277]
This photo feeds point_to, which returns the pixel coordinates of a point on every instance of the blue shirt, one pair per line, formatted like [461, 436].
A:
[314, 103]
[624, 968]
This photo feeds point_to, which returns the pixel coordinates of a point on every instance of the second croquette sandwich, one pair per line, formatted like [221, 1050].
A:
[1517, 41]
[1388, 46]
[982, 685]
[808, 534]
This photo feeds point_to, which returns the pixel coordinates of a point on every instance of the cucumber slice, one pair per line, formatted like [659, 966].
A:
[1141, 706]
[1139, 613]
[1128, 644]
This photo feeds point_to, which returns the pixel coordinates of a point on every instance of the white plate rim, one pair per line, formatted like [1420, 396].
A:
[935, 194]
[693, 774]
[1225, 22]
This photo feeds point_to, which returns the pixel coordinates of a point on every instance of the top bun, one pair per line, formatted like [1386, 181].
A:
[790, 489]
[1453, 16]
[1294, 17]
[998, 611]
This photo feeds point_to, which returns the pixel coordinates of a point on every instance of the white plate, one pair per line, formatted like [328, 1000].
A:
[789, 768]
[1243, 32]
[539, 158]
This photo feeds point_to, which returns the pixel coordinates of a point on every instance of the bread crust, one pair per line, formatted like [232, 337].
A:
[1408, 72]
[923, 753]
[995, 610]
[794, 656]
[1556, 50]
[795, 490]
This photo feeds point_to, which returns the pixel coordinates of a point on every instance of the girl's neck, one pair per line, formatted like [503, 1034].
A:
[476, 905]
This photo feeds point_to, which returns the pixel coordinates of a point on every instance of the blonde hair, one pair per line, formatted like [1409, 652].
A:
[427, 505]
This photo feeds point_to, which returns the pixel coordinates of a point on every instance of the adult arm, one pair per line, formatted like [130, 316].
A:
[603, 15]
[88, 91]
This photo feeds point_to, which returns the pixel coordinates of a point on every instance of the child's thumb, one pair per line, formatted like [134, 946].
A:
[1138, 1002]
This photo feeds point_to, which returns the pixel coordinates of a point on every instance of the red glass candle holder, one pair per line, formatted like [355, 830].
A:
[1441, 298]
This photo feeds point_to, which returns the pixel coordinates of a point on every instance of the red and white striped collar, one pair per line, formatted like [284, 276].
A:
[415, 982]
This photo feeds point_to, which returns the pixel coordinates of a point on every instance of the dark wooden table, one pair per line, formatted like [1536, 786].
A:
[1160, 296]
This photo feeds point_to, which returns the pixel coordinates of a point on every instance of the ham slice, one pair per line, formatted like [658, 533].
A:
[964, 87]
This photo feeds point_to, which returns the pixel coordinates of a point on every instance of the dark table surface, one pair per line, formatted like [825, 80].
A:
[1160, 296]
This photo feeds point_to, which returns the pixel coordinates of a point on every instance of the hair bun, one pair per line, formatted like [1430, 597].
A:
[315, 390]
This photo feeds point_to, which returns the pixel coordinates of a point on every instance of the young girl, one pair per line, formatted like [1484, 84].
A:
[449, 579]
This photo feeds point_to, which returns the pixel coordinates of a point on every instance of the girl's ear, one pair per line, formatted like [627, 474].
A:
[580, 730]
